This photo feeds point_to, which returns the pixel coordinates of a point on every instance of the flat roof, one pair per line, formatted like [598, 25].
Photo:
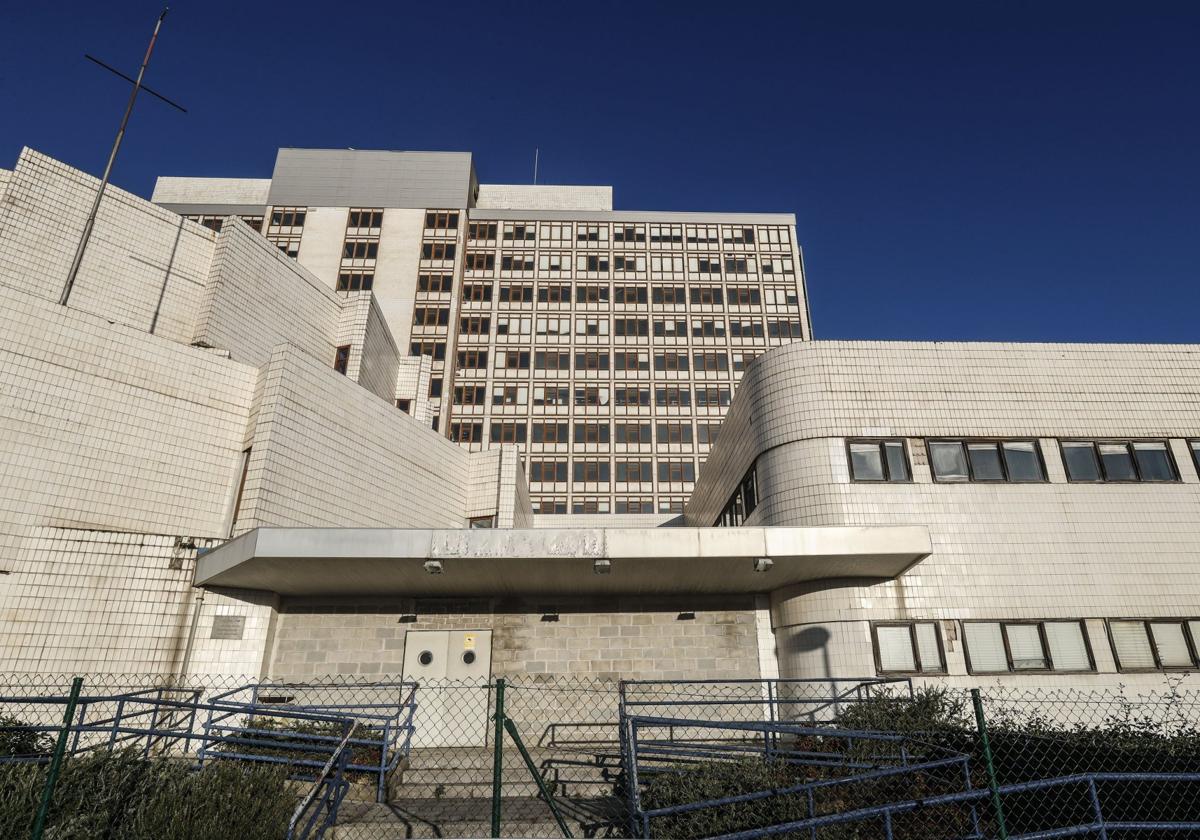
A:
[485, 214]
[554, 561]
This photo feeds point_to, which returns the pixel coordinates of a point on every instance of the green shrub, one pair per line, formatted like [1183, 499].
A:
[121, 796]
[18, 738]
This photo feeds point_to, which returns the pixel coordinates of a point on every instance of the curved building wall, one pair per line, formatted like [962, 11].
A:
[1002, 551]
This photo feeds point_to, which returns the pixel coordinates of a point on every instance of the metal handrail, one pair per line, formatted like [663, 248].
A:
[335, 786]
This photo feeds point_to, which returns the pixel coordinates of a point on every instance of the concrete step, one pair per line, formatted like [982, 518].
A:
[448, 817]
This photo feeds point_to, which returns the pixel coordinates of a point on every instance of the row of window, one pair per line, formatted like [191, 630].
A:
[629, 234]
[550, 432]
[1017, 460]
[562, 263]
[623, 295]
[554, 471]
[665, 396]
[1022, 646]
[602, 504]
[705, 361]
[509, 325]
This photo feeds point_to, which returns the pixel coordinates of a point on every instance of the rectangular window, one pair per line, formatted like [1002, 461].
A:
[632, 433]
[676, 471]
[712, 397]
[674, 432]
[365, 219]
[707, 296]
[590, 505]
[590, 471]
[633, 472]
[516, 294]
[513, 325]
[710, 362]
[554, 294]
[474, 325]
[999, 647]
[630, 327]
[744, 297]
[508, 432]
[341, 359]
[551, 395]
[441, 220]
[629, 233]
[912, 647]
[469, 394]
[635, 505]
[706, 433]
[591, 360]
[1149, 460]
[551, 360]
[707, 328]
[510, 395]
[547, 471]
[466, 432]
[471, 359]
[438, 251]
[433, 283]
[513, 360]
[429, 317]
[742, 502]
[591, 433]
[481, 230]
[477, 261]
[1156, 644]
[516, 262]
[630, 360]
[878, 460]
[630, 262]
[353, 281]
[480, 292]
[629, 395]
[672, 396]
[1006, 460]
[591, 396]
[670, 329]
[359, 250]
[1195, 445]
[519, 231]
[550, 432]
[672, 295]
[629, 295]
[591, 294]
[671, 361]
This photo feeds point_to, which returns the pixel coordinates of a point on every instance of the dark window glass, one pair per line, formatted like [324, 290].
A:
[1117, 462]
[1021, 460]
[1081, 461]
[985, 461]
[948, 461]
[1153, 462]
[866, 462]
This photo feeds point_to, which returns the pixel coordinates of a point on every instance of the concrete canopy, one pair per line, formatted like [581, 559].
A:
[554, 561]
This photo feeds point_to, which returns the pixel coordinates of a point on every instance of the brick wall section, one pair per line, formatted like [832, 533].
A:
[141, 260]
[597, 638]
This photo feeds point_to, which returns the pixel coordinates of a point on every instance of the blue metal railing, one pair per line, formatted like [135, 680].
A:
[318, 810]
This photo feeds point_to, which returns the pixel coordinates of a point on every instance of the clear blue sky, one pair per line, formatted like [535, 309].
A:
[972, 170]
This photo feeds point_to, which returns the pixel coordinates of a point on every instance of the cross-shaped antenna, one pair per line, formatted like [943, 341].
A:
[112, 157]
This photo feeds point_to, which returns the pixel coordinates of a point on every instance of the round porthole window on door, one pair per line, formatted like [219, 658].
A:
[426, 658]
[468, 657]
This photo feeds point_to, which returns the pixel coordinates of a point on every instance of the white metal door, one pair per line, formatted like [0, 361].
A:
[453, 668]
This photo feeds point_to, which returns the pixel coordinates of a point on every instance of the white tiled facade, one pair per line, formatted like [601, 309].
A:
[551, 314]
[201, 384]
[1003, 550]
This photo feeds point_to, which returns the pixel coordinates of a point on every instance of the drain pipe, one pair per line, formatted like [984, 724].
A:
[185, 664]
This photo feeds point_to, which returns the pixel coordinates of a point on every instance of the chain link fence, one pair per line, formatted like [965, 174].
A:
[823, 760]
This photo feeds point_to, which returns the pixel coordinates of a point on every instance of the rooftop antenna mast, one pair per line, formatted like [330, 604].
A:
[535, 163]
[112, 156]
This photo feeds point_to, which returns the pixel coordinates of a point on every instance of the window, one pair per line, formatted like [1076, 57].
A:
[710, 362]
[666, 234]
[481, 230]
[702, 235]
[707, 295]
[404, 405]
[554, 294]
[353, 281]
[590, 471]
[672, 396]
[287, 217]
[630, 262]
[912, 647]
[547, 471]
[998, 647]
[738, 264]
[674, 432]
[672, 295]
[518, 232]
[878, 460]
[744, 297]
[1149, 460]
[630, 360]
[477, 291]
[1007, 460]
[513, 325]
[513, 360]
[590, 505]
[784, 329]
[474, 325]
[435, 390]
[781, 296]
[591, 396]
[471, 359]
[429, 348]
[629, 233]
[438, 251]
[550, 432]
[629, 294]
[469, 394]
[591, 360]
[551, 360]
[591, 262]
[433, 282]
[591, 294]
[592, 233]
[359, 250]
[466, 432]
[551, 395]
[676, 471]
[635, 505]
[670, 329]
[510, 395]
[591, 433]
[631, 327]
[478, 261]
[1156, 644]
[708, 328]
[550, 506]
[553, 326]
[481, 522]
[712, 397]
[742, 502]
[516, 294]
[671, 361]
[706, 433]
[631, 395]
[667, 264]
[341, 359]
[551, 265]
[441, 221]
[508, 432]
[632, 433]
[516, 262]
[745, 328]
[739, 236]
[633, 472]
[556, 232]
[1195, 444]
[365, 219]
[426, 317]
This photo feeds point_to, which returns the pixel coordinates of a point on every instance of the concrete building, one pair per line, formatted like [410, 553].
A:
[214, 463]
[606, 345]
